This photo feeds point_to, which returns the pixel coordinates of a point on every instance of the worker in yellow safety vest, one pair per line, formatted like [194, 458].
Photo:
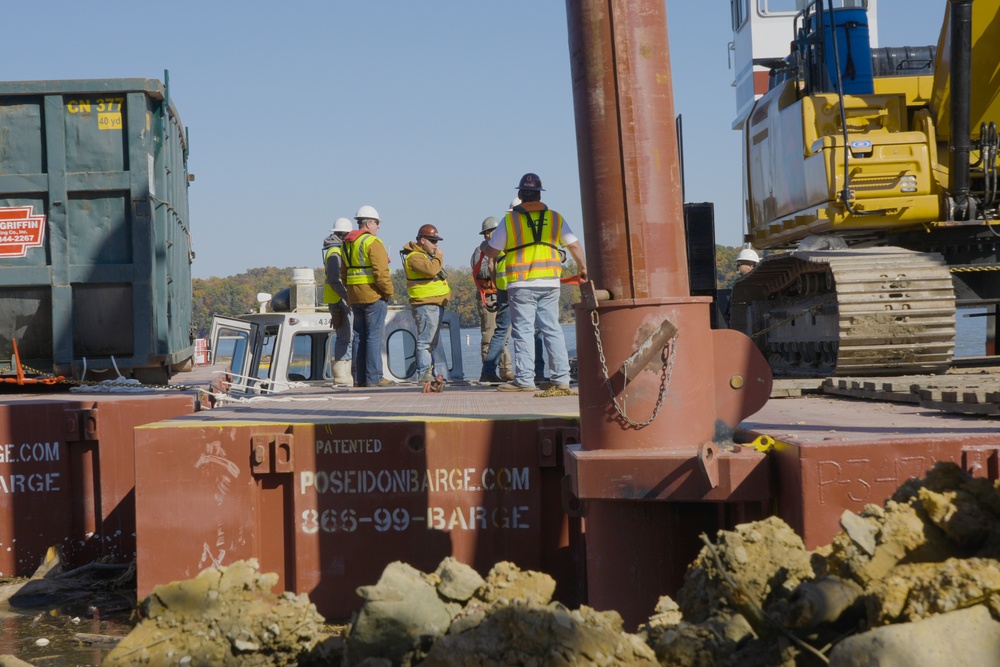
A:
[530, 238]
[497, 363]
[335, 297]
[427, 287]
[365, 274]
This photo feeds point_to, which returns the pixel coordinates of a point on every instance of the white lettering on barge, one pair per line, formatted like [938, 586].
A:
[352, 446]
[33, 482]
[476, 517]
[37, 452]
[414, 481]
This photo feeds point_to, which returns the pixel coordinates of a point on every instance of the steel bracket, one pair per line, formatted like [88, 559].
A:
[552, 440]
[81, 424]
[272, 453]
[982, 461]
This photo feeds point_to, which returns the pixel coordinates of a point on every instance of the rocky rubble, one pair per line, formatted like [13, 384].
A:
[224, 616]
[915, 582]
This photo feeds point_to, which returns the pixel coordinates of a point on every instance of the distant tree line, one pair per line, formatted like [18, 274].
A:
[236, 295]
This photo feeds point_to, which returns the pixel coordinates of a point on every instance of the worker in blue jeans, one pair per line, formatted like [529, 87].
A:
[529, 238]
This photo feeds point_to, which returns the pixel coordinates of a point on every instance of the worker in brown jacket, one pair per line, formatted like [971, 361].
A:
[365, 274]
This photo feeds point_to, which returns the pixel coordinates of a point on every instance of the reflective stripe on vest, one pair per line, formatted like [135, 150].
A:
[329, 296]
[530, 258]
[501, 279]
[421, 286]
[359, 264]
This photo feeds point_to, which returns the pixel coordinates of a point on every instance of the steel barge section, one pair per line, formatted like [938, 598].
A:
[327, 486]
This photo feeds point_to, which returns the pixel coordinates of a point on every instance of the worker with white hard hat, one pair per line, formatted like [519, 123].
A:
[746, 260]
[365, 273]
[335, 297]
[494, 314]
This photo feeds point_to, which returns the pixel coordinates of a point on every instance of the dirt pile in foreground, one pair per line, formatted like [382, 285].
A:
[224, 616]
[916, 582]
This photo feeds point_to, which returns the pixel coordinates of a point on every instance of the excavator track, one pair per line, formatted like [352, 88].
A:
[870, 311]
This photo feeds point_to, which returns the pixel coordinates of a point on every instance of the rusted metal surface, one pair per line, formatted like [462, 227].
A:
[327, 495]
[294, 480]
[836, 454]
[67, 476]
[649, 474]
[627, 148]
[659, 388]
[703, 377]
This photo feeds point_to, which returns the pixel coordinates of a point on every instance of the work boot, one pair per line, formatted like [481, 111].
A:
[491, 378]
[507, 374]
[385, 382]
[516, 387]
[550, 385]
[342, 374]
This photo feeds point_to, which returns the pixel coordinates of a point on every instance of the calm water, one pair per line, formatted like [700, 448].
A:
[969, 341]
[970, 333]
[472, 361]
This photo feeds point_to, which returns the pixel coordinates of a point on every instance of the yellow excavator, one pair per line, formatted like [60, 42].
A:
[871, 175]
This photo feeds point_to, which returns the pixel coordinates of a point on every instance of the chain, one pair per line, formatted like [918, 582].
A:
[967, 269]
[668, 368]
[101, 383]
[811, 309]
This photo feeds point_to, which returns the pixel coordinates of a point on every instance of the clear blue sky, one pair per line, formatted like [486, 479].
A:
[300, 112]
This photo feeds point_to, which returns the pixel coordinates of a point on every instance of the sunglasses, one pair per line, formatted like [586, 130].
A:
[432, 240]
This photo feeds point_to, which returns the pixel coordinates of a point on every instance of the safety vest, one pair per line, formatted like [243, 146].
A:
[359, 263]
[421, 286]
[501, 278]
[532, 253]
[329, 296]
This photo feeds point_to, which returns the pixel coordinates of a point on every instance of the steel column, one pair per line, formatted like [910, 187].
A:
[648, 353]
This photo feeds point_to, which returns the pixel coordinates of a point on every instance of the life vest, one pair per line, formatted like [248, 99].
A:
[422, 286]
[359, 264]
[329, 296]
[532, 253]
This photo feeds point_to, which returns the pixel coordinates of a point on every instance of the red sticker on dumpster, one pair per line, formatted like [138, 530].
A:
[20, 230]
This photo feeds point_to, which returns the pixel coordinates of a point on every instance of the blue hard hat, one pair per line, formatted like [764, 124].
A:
[530, 182]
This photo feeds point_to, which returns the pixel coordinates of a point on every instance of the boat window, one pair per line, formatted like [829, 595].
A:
[300, 365]
[267, 352]
[767, 7]
[738, 8]
[444, 338]
[231, 349]
[402, 351]
[770, 7]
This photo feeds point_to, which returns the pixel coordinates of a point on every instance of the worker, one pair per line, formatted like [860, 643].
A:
[335, 297]
[746, 260]
[365, 273]
[498, 343]
[427, 287]
[530, 237]
[488, 305]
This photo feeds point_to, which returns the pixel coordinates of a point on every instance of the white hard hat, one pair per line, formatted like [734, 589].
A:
[748, 255]
[489, 224]
[516, 201]
[367, 213]
[342, 225]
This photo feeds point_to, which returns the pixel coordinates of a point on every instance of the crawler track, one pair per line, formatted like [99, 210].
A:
[872, 311]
